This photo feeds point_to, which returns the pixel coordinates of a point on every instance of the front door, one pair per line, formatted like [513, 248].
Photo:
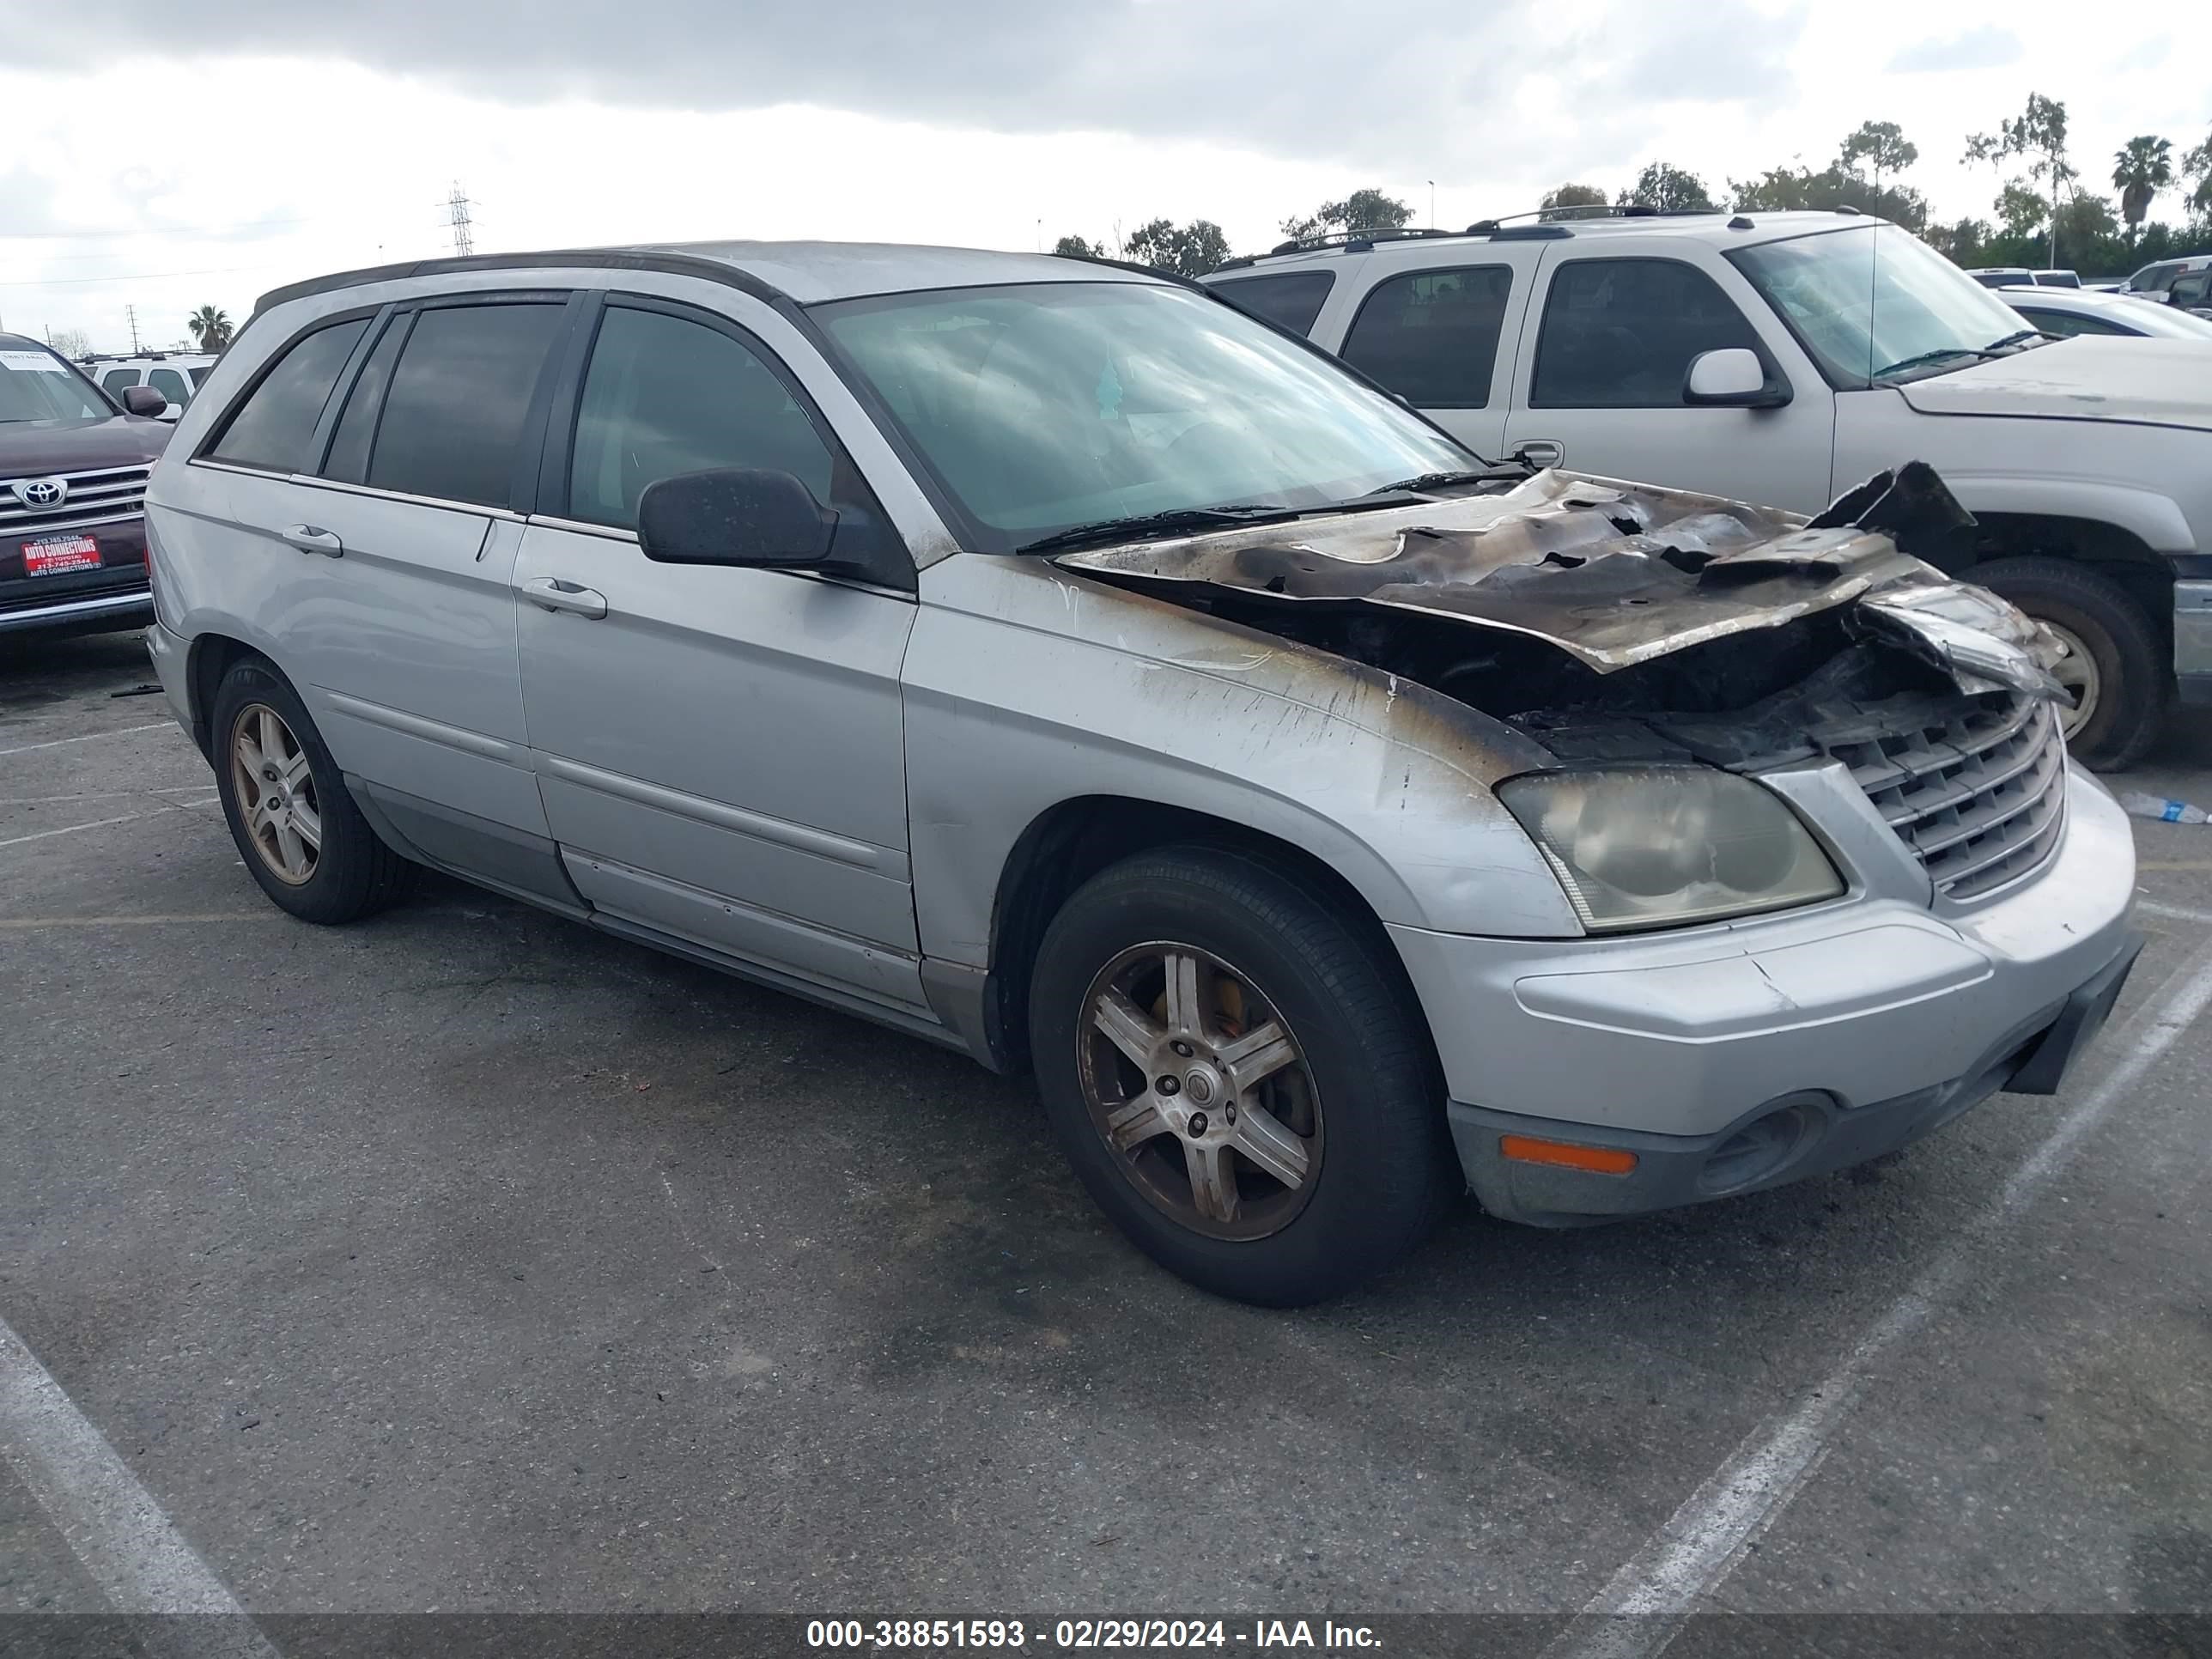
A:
[719, 749]
[1605, 355]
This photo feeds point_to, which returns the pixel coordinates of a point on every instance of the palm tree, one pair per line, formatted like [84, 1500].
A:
[2140, 171]
[212, 324]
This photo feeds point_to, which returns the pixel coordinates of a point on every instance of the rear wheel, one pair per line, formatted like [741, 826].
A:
[1238, 1080]
[301, 836]
[2114, 669]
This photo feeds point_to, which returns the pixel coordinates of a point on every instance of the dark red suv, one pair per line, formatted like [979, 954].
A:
[73, 468]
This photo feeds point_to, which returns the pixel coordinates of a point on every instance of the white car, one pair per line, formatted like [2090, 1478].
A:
[2063, 312]
[1784, 357]
[2151, 281]
[175, 374]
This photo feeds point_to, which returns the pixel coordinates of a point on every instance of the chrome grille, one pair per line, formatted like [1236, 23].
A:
[104, 496]
[1978, 792]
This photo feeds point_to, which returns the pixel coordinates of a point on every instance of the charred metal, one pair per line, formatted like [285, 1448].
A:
[1615, 621]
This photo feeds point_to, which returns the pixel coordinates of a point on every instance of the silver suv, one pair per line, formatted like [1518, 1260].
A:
[1048, 659]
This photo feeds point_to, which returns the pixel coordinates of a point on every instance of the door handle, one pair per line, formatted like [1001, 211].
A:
[552, 593]
[314, 538]
[1540, 452]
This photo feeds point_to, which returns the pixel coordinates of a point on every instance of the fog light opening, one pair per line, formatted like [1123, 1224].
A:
[1759, 1149]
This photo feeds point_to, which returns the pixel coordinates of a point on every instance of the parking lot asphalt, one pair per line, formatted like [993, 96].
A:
[466, 1259]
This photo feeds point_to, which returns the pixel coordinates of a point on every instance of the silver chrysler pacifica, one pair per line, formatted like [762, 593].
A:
[1049, 660]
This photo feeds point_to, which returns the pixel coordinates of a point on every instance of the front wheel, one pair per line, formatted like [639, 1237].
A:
[1237, 1079]
[2114, 669]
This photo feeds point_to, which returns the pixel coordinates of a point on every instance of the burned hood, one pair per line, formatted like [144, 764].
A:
[1617, 574]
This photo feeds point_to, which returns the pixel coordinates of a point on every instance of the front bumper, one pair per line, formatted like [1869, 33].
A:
[1872, 1020]
[1804, 1134]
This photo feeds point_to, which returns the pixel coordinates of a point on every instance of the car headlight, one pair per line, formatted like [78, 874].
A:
[1659, 846]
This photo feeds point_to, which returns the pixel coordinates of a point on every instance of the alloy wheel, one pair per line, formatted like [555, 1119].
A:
[2077, 672]
[1198, 1084]
[276, 794]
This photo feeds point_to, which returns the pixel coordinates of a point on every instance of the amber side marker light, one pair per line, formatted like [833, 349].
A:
[1599, 1160]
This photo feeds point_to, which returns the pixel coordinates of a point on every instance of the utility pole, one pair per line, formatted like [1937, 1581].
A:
[457, 209]
[131, 312]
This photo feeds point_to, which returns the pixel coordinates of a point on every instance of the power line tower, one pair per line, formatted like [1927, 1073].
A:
[131, 312]
[457, 209]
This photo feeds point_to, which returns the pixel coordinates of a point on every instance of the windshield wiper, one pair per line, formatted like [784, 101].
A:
[1140, 524]
[2019, 339]
[1430, 481]
[1936, 356]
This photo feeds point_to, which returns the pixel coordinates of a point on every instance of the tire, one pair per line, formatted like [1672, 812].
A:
[2127, 667]
[1358, 1093]
[314, 856]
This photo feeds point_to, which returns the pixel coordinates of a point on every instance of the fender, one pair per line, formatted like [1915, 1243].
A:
[1027, 686]
[2154, 520]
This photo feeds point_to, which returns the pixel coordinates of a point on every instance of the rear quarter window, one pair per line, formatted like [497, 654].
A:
[1290, 300]
[273, 428]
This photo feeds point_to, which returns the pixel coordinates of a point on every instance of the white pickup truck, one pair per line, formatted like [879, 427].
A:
[1783, 358]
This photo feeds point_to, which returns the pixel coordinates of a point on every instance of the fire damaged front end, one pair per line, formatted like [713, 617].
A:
[1806, 796]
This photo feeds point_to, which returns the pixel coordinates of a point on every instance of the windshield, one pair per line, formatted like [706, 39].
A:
[2167, 322]
[1044, 406]
[1877, 304]
[37, 385]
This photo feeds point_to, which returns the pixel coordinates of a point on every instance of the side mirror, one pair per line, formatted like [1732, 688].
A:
[143, 400]
[766, 520]
[741, 515]
[1732, 378]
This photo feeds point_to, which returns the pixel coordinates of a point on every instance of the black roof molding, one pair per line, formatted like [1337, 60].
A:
[587, 258]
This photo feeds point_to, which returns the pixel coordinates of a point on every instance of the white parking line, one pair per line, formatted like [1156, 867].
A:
[2173, 912]
[120, 732]
[111, 1523]
[1644, 1604]
[101, 824]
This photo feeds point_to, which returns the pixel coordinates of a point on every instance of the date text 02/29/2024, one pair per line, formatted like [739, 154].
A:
[1122, 1634]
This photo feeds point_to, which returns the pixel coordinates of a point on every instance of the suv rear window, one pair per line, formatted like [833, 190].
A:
[275, 427]
[1431, 335]
[1291, 300]
[461, 396]
[1620, 333]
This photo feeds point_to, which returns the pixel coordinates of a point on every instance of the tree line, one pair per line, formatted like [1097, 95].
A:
[2042, 215]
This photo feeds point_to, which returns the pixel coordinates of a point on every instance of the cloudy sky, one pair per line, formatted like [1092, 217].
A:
[161, 155]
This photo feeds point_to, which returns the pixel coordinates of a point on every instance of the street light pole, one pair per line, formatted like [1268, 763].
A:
[1432, 204]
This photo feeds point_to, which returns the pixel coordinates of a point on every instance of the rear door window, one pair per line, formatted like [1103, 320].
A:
[275, 428]
[1291, 300]
[1621, 333]
[453, 423]
[117, 381]
[1431, 335]
[171, 384]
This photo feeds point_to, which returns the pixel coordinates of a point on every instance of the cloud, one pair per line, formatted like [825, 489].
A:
[1426, 83]
[1986, 46]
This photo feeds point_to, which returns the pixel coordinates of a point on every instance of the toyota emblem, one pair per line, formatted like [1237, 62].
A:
[42, 492]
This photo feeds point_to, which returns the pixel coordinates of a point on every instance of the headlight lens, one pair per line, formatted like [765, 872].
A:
[1661, 847]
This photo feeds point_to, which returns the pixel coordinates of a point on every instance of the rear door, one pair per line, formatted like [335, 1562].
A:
[374, 485]
[719, 749]
[1605, 355]
[1439, 333]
